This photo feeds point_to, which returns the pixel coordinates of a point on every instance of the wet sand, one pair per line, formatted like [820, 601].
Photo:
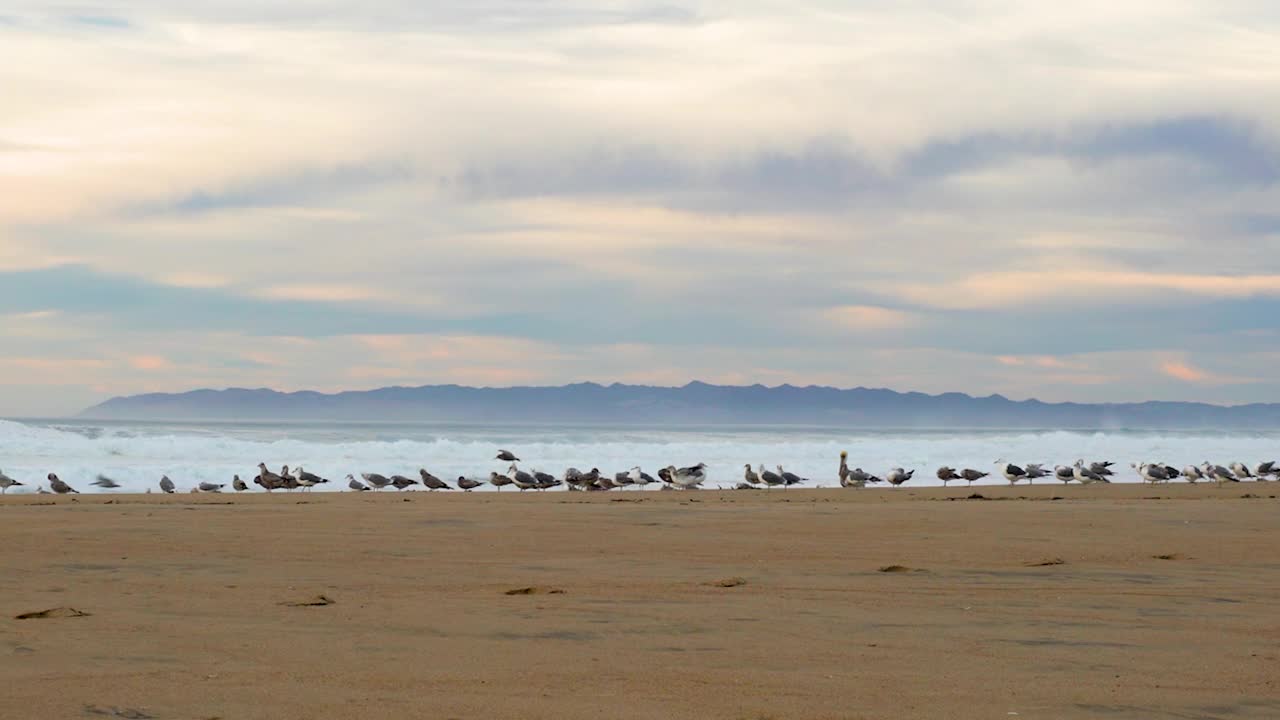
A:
[1159, 608]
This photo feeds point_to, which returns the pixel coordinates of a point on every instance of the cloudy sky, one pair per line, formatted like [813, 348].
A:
[1061, 200]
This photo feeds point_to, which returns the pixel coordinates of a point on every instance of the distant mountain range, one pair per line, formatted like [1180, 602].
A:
[695, 403]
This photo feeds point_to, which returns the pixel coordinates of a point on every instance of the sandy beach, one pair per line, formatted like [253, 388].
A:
[1046, 602]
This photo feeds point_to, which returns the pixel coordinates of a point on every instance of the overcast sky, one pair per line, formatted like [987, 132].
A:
[1070, 201]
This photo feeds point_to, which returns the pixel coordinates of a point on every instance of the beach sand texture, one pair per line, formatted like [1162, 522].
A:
[1101, 604]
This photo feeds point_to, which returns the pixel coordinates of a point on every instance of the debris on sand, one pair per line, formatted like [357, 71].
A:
[1045, 563]
[1170, 556]
[535, 590]
[127, 713]
[317, 601]
[58, 612]
[728, 582]
[898, 569]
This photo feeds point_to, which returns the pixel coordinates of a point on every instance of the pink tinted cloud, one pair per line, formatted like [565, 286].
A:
[149, 362]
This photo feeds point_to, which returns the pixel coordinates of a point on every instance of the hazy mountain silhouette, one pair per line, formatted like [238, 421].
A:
[696, 402]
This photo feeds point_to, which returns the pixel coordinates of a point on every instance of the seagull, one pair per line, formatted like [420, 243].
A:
[1036, 470]
[751, 476]
[639, 478]
[355, 484]
[308, 480]
[689, 477]
[507, 456]
[41, 491]
[745, 486]
[467, 484]
[498, 481]
[1218, 473]
[432, 482]
[267, 479]
[770, 478]
[522, 479]
[166, 485]
[211, 487]
[790, 478]
[7, 482]
[1151, 473]
[238, 484]
[377, 481]
[1241, 470]
[1011, 472]
[1102, 468]
[401, 482]
[1086, 476]
[1264, 469]
[1192, 473]
[897, 476]
[1065, 473]
[946, 474]
[546, 481]
[60, 487]
[970, 474]
[105, 482]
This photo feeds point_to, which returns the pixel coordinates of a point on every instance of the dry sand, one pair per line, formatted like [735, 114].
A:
[186, 616]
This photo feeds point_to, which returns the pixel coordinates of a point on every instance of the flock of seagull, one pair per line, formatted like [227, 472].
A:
[692, 477]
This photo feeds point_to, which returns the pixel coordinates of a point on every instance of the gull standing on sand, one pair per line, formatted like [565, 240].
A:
[238, 484]
[506, 456]
[377, 481]
[60, 487]
[1262, 470]
[897, 476]
[267, 479]
[546, 481]
[1149, 472]
[1218, 474]
[308, 480]
[1241, 470]
[1036, 470]
[355, 484]
[1065, 473]
[790, 478]
[467, 484]
[1087, 476]
[211, 487]
[1192, 473]
[166, 485]
[7, 482]
[431, 482]
[688, 478]
[498, 480]
[1011, 472]
[401, 482]
[640, 478]
[522, 479]
[770, 478]
[946, 474]
[970, 474]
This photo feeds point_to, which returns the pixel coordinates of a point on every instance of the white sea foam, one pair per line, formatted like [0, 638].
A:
[137, 455]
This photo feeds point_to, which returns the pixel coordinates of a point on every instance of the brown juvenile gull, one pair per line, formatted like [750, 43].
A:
[753, 478]
[498, 480]
[467, 484]
[267, 479]
[60, 487]
[7, 482]
[506, 456]
[238, 484]
[401, 482]
[432, 482]
[946, 474]
[166, 485]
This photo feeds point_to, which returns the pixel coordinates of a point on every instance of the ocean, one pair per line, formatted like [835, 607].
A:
[136, 454]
